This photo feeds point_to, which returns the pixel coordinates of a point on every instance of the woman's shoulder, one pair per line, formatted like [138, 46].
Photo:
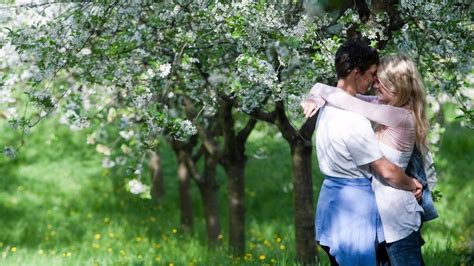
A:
[409, 121]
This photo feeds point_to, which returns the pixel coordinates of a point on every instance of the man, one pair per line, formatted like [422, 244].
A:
[347, 221]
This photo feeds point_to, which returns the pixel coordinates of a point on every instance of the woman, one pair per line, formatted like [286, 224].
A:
[399, 111]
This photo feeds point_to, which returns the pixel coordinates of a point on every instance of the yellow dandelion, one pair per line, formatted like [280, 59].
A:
[262, 257]
[266, 243]
[278, 240]
[248, 256]
[97, 236]
[282, 247]
[138, 239]
[68, 254]
[111, 235]
[109, 250]
[96, 246]
[40, 252]
[171, 264]
[174, 231]
[158, 258]
[13, 249]
[122, 253]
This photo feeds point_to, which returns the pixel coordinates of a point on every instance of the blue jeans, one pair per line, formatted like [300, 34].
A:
[406, 251]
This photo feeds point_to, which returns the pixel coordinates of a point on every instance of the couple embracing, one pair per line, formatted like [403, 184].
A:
[368, 207]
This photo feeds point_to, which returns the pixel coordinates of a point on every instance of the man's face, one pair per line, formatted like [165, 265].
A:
[365, 80]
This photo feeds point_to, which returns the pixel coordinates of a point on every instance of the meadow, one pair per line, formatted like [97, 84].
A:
[58, 206]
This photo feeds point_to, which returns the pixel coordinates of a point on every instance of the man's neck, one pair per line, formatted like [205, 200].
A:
[347, 86]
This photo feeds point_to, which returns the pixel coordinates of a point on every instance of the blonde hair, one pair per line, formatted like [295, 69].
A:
[398, 74]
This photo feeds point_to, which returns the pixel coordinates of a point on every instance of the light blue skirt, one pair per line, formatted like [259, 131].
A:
[348, 221]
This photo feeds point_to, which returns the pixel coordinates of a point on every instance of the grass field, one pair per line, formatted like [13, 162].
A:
[58, 206]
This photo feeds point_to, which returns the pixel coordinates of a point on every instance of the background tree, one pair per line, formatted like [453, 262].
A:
[199, 67]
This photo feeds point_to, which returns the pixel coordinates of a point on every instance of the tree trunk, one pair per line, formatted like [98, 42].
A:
[208, 188]
[205, 182]
[301, 150]
[236, 190]
[157, 180]
[185, 199]
[303, 202]
[234, 161]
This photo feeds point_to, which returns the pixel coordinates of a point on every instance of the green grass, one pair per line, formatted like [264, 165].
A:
[59, 207]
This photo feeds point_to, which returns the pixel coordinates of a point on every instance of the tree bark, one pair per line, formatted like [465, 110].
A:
[234, 161]
[206, 183]
[301, 154]
[208, 188]
[301, 157]
[157, 180]
[236, 190]
[185, 199]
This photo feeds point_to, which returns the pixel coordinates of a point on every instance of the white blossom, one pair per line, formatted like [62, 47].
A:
[184, 129]
[100, 148]
[107, 162]
[126, 134]
[10, 113]
[165, 70]
[136, 186]
[10, 152]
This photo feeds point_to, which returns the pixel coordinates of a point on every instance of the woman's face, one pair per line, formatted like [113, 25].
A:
[385, 96]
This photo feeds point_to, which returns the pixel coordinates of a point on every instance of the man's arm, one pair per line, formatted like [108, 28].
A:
[395, 176]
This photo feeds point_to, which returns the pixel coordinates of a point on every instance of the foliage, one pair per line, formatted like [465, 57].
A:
[136, 60]
[59, 207]
[129, 72]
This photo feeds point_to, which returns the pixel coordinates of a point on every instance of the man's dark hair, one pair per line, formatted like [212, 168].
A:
[355, 54]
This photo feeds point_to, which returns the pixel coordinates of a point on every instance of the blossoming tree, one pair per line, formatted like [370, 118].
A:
[210, 70]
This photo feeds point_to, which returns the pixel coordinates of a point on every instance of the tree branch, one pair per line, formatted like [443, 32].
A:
[363, 10]
[269, 117]
[243, 134]
[283, 124]
[307, 129]
[207, 137]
